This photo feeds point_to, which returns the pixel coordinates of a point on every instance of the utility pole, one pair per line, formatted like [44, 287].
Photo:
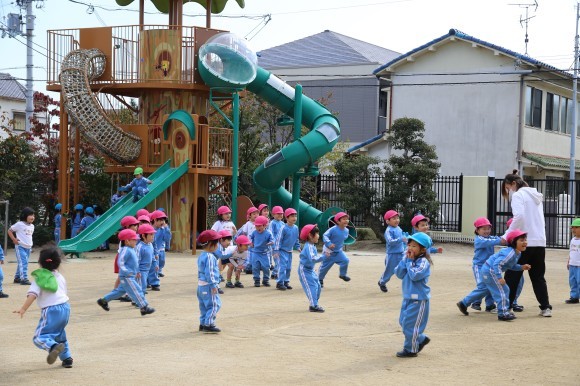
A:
[574, 110]
[29, 62]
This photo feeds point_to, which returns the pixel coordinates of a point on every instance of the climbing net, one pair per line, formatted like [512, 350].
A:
[79, 67]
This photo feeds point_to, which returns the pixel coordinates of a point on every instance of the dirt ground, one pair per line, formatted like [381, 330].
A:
[269, 337]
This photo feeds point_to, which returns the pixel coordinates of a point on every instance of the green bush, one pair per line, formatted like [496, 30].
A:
[42, 235]
[365, 234]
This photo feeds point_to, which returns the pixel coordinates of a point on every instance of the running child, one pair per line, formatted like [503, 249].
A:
[274, 227]
[138, 186]
[395, 244]
[334, 239]
[2, 294]
[484, 245]
[127, 222]
[128, 270]
[306, 274]
[515, 306]
[145, 254]
[224, 220]
[286, 241]
[573, 264]
[420, 223]
[261, 239]
[57, 223]
[415, 270]
[234, 258]
[492, 280]
[21, 235]
[247, 229]
[76, 220]
[49, 288]
[208, 282]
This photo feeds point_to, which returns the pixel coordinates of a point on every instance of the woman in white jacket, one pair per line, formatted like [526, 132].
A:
[528, 215]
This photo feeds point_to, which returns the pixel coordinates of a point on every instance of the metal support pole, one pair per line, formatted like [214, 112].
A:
[6, 223]
[574, 112]
[235, 155]
[29, 65]
[297, 135]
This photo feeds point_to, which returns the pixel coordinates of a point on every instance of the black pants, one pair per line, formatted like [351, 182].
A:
[536, 257]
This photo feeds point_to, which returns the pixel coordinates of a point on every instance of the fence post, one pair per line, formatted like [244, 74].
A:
[460, 219]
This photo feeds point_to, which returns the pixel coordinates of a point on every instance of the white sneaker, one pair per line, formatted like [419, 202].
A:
[547, 313]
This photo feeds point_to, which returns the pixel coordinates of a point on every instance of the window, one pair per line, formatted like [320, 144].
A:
[19, 121]
[552, 112]
[533, 107]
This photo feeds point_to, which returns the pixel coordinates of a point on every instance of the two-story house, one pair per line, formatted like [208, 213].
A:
[12, 104]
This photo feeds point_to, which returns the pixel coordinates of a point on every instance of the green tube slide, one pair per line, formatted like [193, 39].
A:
[226, 62]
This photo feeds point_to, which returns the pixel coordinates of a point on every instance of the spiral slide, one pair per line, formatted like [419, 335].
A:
[99, 231]
[79, 67]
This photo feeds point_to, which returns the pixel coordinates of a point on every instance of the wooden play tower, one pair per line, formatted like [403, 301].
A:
[156, 65]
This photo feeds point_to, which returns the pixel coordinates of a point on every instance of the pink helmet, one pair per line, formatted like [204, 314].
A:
[339, 215]
[156, 215]
[142, 212]
[390, 214]
[509, 222]
[415, 220]
[144, 218]
[481, 222]
[243, 240]
[261, 220]
[127, 221]
[207, 236]
[146, 229]
[277, 210]
[223, 210]
[262, 206]
[251, 210]
[514, 235]
[128, 234]
[306, 231]
[225, 233]
[290, 212]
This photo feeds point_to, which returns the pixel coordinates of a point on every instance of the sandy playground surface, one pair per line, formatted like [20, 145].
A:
[269, 337]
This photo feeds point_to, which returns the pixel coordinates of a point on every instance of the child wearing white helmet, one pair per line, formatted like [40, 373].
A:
[334, 239]
[491, 274]
[414, 270]
[483, 245]
[138, 186]
[261, 239]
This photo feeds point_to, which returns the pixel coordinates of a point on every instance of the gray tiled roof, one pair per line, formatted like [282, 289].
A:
[324, 49]
[11, 88]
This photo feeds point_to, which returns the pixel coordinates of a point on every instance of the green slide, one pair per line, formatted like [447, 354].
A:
[96, 233]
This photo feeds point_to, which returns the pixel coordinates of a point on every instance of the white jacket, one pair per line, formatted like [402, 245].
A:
[528, 211]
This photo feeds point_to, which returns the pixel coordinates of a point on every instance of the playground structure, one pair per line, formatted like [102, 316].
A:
[179, 75]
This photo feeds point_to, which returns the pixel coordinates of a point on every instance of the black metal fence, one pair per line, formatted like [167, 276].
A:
[448, 189]
[559, 210]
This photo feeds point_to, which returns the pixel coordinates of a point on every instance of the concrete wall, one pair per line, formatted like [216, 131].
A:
[474, 202]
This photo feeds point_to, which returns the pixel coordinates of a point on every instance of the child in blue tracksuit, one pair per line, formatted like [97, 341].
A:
[247, 229]
[415, 270]
[306, 273]
[484, 245]
[420, 223]
[261, 239]
[286, 240]
[145, 254]
[334, 239]
[224, 242]
[76, 220]
[2, 294]
[21, 235]
[88, 219]
[274, 227]
[208, 282]
[395, 243]
[50, 291]
[57, 221]
[491, 273]
[158, 219]
[128, 270]
[138, 186]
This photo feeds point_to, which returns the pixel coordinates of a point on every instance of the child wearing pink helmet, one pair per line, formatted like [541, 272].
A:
[420, 223]
[247, 229]
[224, 220]
[261, 239]
[306, 274]
[224, 242]
[274, 227]
[286, 241]
[334, 239]
[491, 274]
[236, 256]
[396, 241]
[483, 245]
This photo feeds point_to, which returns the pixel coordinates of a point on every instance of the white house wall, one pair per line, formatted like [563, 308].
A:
[7, 109]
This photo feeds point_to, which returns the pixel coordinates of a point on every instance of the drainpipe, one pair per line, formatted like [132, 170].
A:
[521, 125]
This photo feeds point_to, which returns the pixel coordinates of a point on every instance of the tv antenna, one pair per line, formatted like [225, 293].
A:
[524, 21]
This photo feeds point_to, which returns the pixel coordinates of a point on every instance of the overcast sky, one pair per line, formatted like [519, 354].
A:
[399, 25]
